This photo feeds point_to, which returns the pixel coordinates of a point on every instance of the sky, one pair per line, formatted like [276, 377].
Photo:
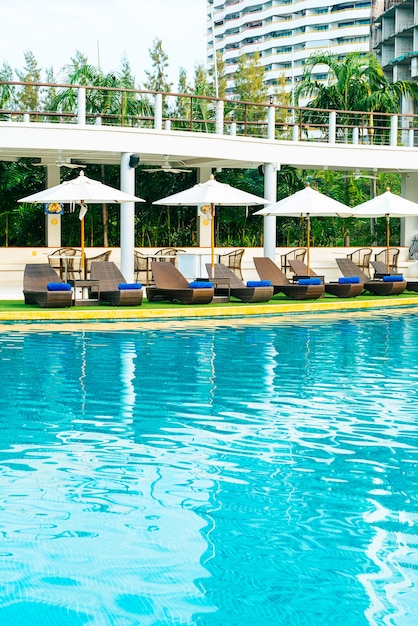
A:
[105, 31]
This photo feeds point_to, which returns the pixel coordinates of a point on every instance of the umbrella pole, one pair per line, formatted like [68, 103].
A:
[308, 243]
[82, 247]
[387, 242]
[212, 238]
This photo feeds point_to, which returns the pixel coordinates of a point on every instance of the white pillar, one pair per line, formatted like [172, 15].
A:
[295, 132]
[81, 105]
[409, 225]
[332, 127]
[127, 219]
[407, 121]
[53, 222]
[394, 130]
[158, 111]
[220, 117]
[270, 187]
[355, 135]
[271, 122]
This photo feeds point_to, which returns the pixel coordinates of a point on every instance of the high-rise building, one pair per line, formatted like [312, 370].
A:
[395, 38]
[285, 33]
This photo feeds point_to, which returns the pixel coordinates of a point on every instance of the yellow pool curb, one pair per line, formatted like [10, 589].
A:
[182, 312]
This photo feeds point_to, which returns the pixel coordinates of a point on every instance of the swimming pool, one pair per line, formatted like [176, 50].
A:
[260, 473]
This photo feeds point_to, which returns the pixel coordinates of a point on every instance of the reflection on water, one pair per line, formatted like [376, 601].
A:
[247, 474]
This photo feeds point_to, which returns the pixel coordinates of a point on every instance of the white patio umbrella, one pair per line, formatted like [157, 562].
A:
[306, 203]
[387, 205]
[209, 194]
[79, 191]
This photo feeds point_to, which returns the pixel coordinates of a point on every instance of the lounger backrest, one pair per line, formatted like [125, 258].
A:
[108, 274]
[222, 271]
[268, 270]
[381, 268]
[167, 276]
[300, 268]
[348, 268]
[37, 275]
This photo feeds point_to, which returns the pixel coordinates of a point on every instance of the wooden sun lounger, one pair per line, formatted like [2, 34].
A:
[237, 288]
[381, 269]
[268, 270]
[334, 288]
[35, 280]
[109, 276]
[170, 284]
[378, 287]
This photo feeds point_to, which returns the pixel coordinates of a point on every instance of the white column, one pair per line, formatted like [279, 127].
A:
[158, 111]
[271, 122]
[53, 222]
[270, 187]
[332, 127]
[355, 135]
[394, 130]
[81, 105]
[409, 225]
[220, 117]
[127, 220]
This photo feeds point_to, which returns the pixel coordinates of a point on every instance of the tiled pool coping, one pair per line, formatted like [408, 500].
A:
[183, 312]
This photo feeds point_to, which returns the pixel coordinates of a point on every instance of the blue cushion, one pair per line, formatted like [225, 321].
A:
[201, 284]
[258, 283]
[58, 287]
[349, 280]
[393, 279]
[309, 281]
[129, 286]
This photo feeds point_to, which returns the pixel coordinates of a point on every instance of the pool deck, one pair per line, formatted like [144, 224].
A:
[232, 310]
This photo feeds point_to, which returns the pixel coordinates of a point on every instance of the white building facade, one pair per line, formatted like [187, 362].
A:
[395, 38]
[285, 33]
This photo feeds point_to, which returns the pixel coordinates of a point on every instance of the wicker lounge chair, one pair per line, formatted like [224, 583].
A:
[66, 261]
[334, 288]
[378, 287]
[268, 270]
[233, 260]
[238, 289]
[104, 256]
[171, 285]
[36, 278]
[381, 269]
[297, 253]
[110, 277]
[361, 258]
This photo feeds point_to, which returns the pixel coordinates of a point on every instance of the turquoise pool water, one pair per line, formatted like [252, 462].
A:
[240, 474]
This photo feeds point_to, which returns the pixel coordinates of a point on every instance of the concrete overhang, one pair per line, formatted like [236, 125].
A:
[104, 145]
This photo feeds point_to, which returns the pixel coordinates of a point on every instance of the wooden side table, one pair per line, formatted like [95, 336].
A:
[83, 288]
[226, 282]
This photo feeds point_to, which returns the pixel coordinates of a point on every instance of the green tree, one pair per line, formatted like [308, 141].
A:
[355, 83]
[221, 76]
[157, 79]
[250, 88]
[249, 79]
[6, 91]
[29, 97]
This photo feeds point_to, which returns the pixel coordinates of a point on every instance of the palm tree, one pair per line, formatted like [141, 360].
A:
[117, 99]
[355, 83]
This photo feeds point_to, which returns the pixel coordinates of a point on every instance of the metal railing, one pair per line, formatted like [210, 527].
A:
[137, 108]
